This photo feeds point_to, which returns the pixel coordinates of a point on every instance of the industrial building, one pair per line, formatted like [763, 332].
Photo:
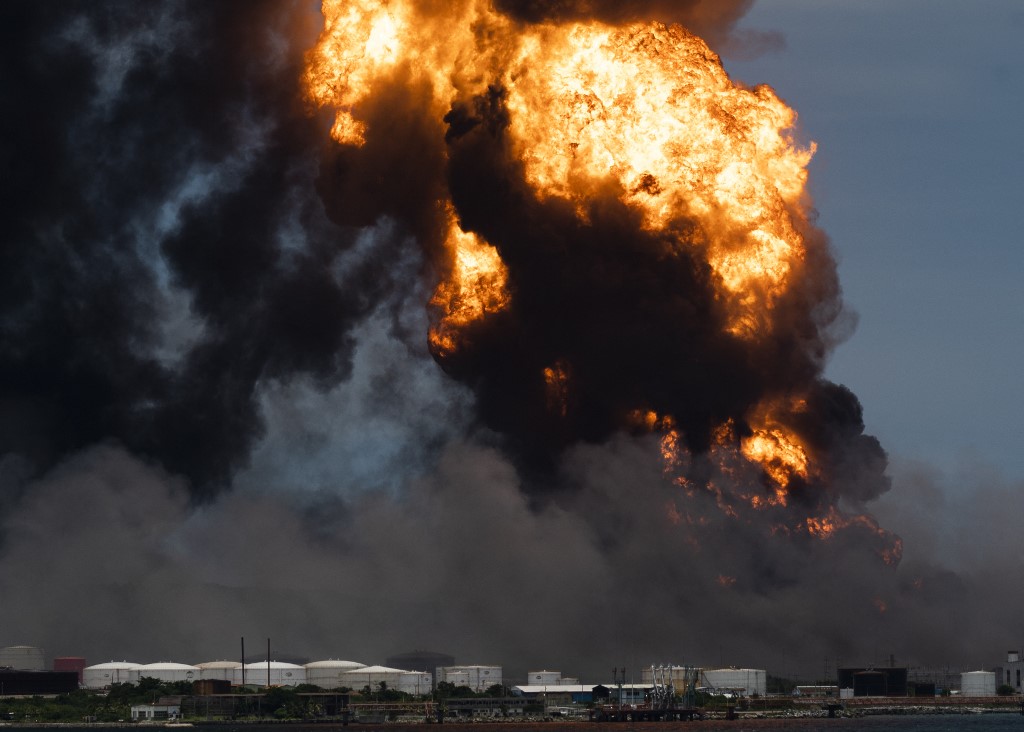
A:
[1010, 673]
[564, 694]
[477, 678]
[31, 683]
[730, 680]
[883, 681]
[165, 708]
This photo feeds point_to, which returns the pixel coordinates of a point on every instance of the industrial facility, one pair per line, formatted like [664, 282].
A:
[1009, 674]
[23, 671]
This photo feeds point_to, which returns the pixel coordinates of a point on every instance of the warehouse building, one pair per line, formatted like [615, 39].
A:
[31, 683]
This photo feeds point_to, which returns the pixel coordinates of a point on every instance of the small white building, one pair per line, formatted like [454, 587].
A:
[477, 678]
[102, 675]
[274, 673]
[329, 674]
[978, 683]
[168, 712]
[165, 671]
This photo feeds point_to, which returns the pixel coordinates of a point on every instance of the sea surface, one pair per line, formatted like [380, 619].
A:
[881, 723]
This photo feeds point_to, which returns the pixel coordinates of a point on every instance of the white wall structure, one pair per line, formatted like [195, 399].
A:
[219, 670]
[477, 678]
[329, 674]
[103, 675]
[23, 658]
[744, 681]
[280, 673]
[164, 671]
[978, 683]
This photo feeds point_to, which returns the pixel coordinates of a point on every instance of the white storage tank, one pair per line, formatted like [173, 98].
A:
[23, 658]
[103, 675]
[743, 681]
[477, 678]
[219, 670]
[281, 674]
[372, 676]
[330, 674]
[415, 682]
[543, 678]
[978, 683]
[164, 671]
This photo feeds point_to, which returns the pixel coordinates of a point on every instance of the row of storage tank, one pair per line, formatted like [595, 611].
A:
[330, 674]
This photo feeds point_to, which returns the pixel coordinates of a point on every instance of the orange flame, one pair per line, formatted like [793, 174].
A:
[647, 110]
[475, 287]
[645, 114]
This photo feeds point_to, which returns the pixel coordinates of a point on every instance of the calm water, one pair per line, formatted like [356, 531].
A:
[928, 723]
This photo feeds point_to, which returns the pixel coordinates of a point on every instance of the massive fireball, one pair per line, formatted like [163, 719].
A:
[646, 115]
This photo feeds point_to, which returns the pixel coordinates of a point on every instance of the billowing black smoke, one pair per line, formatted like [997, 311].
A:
[186, 272]
[162, 249]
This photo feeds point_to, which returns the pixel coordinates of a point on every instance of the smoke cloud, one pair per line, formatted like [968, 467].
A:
[219, 415]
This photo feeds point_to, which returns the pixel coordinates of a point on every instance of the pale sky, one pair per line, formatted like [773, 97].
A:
[916, 107]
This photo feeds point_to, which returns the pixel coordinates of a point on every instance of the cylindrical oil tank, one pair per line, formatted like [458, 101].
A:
[543, 678]
[218, 670]
[23, 658]
[477, 678]
[280, 674]
[70, 663]
[165, 671]
[102, 675]
[415, 682]
[329, 674]
[744, 681]
[372, 676]
[978, 683]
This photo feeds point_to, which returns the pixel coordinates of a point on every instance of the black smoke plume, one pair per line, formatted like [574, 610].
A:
[162, 253]
[198, 290]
